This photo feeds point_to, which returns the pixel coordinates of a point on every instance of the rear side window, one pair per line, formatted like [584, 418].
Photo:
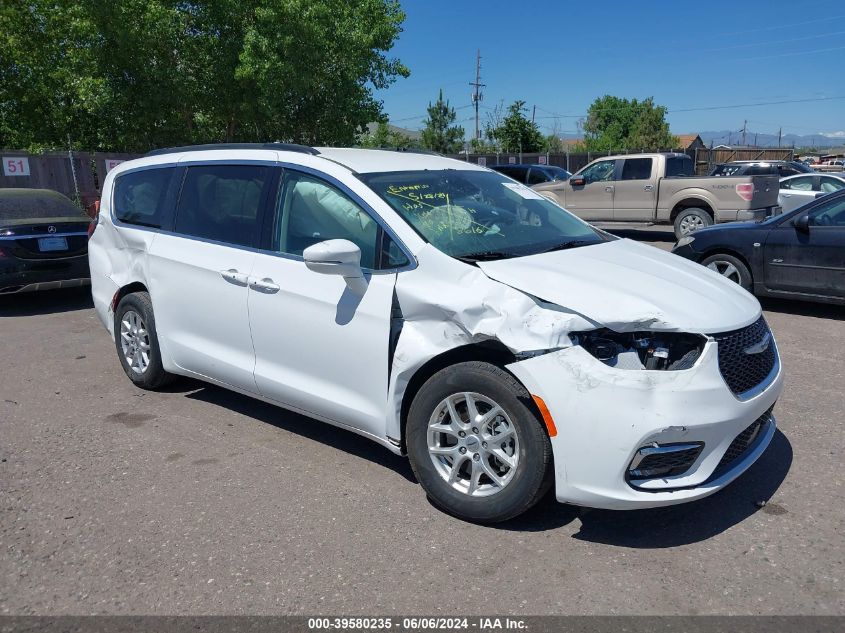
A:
[222, 202]
[537, 176]
[139, 196]
[679, 166]
[636, 169]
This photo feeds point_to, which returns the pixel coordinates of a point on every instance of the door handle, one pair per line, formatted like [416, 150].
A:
[648, 188]
[609, 189]
[234, 277]
[264, 285]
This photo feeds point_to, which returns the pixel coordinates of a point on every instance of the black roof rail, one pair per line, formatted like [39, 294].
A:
[408, 150]
[282, 147]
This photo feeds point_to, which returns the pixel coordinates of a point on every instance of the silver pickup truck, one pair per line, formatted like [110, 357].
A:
[660, 189]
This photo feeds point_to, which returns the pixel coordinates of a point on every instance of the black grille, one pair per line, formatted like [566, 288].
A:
[666, 464]
[741, 443]
[743, 371]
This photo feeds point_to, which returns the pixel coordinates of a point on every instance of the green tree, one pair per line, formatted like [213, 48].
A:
[137, 74]
[615, 124]
[385, 137]
[516, 133]
[439, 134]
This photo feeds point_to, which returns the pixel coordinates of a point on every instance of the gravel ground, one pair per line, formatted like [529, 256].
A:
[200, 501]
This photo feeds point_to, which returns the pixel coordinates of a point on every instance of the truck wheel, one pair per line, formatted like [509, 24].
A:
[730, 267]
[691, 219]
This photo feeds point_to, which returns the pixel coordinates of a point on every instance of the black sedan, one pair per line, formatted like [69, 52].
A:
[798, 255]
[43, 241]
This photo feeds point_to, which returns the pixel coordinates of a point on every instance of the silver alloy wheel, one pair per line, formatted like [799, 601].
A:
[473, 444]
[726, 269]
[691, 223]
[135, 341]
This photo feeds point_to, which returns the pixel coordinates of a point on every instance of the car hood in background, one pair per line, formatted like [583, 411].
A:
[628, 286]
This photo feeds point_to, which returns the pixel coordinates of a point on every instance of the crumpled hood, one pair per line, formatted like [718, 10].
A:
[628, 286]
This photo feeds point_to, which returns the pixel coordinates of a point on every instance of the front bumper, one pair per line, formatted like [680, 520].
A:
[24, 275]
[605, 415]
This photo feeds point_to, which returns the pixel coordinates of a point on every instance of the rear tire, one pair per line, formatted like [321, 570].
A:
[730, 267]
[136, 342]
[501, 466]
[691, 219]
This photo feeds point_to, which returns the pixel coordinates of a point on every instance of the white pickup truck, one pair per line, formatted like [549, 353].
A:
[660, 189]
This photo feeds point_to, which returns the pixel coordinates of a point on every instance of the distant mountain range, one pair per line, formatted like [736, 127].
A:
[761, 139]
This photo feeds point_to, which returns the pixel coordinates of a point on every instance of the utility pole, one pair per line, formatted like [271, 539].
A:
[477, 95]
[780, 134]
[533, 113]
[744, 125]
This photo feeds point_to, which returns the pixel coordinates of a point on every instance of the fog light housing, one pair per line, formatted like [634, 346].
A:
[664, 460]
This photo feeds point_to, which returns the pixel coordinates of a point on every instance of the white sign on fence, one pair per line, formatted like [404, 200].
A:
[511, 160]
[482, 160]
[111, 163]
[15, 166]
[541, 159]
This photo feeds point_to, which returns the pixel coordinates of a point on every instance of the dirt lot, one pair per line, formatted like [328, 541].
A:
[200, 501]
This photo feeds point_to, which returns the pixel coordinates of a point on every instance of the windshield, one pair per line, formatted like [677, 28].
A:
[477, 215]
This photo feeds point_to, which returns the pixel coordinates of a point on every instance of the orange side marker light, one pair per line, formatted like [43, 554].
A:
[547, 416]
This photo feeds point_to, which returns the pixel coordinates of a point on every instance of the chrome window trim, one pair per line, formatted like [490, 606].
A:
[284, 165]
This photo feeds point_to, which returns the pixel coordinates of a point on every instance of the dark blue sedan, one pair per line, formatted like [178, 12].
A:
[798, 255]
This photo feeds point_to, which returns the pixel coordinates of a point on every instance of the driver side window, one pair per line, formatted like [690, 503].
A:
[601, 171]
[831, 214]
[310, 210]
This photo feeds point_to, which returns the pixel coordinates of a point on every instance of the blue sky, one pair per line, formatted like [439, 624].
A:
[693, 57]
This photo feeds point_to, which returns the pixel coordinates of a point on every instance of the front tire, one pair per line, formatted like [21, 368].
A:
[475, 444]
[731, 268]
[691, 219]
[136, 342]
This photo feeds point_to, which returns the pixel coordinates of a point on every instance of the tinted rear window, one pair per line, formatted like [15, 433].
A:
[679, 166]
[221, 203]
[19, 204]
[139, 196]
[636, 169]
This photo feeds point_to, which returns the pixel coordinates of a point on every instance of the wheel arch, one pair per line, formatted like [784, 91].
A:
[135, 286]
[689, 203]
[492, 352]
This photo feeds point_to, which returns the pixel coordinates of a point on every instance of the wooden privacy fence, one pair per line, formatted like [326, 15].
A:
[78, 175]
[704, 158]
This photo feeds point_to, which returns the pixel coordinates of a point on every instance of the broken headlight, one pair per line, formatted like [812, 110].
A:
[669, 351]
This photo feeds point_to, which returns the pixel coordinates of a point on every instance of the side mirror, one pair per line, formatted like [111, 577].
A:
[577, 181]
[337, 257]
[802, 223]
[820, 194]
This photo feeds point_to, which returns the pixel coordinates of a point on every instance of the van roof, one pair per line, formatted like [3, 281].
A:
[355, 159]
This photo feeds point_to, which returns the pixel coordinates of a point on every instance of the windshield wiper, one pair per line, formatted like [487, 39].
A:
[570, 244]
[483, 256]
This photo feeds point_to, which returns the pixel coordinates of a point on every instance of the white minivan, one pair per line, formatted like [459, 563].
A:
[443, 310]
